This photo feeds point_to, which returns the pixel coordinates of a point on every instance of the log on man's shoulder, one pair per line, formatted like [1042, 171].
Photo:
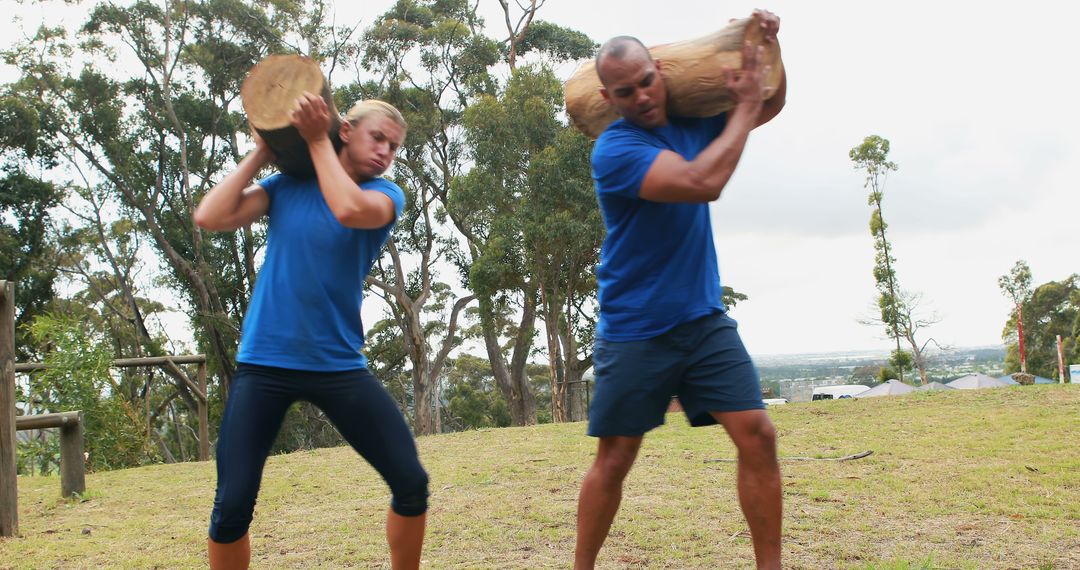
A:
[693, 71]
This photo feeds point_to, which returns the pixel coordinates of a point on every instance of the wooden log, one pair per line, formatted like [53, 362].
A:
[72, 461]
[47, 421]
[9, 492]
[192, 386]
[269, 93]
[127, 362]
[693, 72]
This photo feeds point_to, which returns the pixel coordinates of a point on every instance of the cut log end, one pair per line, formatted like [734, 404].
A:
[273, 86]
[269, 94]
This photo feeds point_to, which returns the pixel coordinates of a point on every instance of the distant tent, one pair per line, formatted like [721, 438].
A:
[889, 388]
[933, 387]
[976, 382]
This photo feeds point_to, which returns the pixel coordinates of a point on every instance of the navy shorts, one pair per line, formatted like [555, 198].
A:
[703, 362]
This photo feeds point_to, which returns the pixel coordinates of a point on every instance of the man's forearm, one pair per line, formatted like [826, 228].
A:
[717, 162]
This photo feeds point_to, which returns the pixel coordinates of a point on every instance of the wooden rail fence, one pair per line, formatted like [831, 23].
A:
[72, 462]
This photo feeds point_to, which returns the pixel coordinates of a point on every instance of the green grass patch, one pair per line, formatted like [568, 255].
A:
[974, 479]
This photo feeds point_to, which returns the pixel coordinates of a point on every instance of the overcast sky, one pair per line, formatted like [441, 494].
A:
[977, 101]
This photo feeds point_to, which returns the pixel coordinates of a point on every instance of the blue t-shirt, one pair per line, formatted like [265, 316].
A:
[658, 262]
[305, 312]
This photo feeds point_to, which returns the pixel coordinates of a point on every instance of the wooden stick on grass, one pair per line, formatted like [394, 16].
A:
[844, 458]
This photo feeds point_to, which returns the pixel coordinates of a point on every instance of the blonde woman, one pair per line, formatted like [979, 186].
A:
[302, 333]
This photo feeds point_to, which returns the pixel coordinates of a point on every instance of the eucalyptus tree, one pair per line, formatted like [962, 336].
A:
[563, 233]
[1017, 286]
[431, 59]
[27, 248]
[529, 205]
[872, 156]
[1051, 310]
[142, 100]
[899, 310]
[435, 62]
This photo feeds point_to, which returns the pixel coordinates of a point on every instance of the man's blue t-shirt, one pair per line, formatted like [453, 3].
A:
[305, 312]
[658, 262]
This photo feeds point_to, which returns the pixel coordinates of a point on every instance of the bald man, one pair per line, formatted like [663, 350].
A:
[663, 330]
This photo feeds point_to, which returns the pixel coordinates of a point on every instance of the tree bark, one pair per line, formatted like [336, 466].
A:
[512, 380]
[556, 374]
[9, 496]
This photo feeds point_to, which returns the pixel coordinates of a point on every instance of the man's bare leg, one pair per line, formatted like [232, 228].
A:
[601, 493]
[758, 481]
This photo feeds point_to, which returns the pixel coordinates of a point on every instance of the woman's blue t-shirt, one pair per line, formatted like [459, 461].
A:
[305, 312]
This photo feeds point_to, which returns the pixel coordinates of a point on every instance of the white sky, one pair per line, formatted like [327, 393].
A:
[976, 99]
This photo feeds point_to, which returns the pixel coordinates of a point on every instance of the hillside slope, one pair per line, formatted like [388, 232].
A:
[984, 479]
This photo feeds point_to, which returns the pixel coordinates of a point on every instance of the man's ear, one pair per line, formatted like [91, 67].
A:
[604, 94]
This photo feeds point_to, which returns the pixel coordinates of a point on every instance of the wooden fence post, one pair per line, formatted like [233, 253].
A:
[72, 460]
[204, 415]
[9, 492]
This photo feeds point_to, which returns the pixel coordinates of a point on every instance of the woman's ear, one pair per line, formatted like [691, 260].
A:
[345, 131]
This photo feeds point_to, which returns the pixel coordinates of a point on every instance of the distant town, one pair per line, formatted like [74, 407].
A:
[794, 376]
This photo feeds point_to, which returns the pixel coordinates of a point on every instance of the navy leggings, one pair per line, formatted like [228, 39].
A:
[357, 404]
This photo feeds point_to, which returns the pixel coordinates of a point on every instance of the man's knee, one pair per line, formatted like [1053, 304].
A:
[616, 457]
[410, 495]
[757, 441]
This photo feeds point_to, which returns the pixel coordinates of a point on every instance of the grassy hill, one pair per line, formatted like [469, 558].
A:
[986, 479]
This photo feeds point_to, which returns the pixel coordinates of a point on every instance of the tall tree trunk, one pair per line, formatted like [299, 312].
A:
[416, 346]
[575, 395]
[574, 369]
[519, 373]
[423, 403]
[889, 272]
[917, 356]
[556, 375]
[512, 380]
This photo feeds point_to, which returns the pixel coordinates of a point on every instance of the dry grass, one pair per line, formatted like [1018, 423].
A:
[987, 479]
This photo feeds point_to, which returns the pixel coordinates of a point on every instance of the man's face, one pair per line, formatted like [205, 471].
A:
[372, 145]
[634, 86]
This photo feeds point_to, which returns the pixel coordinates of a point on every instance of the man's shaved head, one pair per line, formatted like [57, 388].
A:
[632, 82]
[619, 47]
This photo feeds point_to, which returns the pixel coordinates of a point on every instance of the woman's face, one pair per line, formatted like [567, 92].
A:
[371, 144]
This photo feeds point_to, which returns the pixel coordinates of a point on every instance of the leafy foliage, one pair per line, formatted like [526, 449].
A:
[560, 43]
[1052, 309]
[473, 401]
[77, 377]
